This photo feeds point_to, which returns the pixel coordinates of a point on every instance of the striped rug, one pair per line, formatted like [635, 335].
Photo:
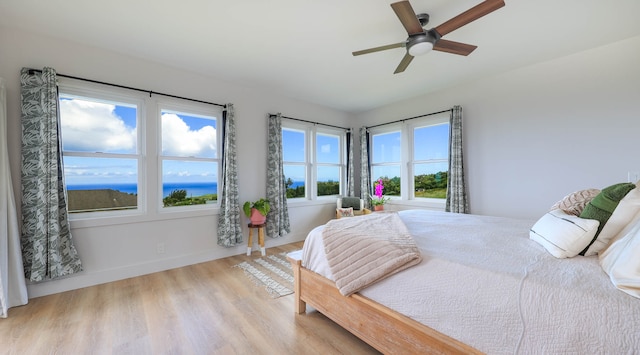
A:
[273, 272]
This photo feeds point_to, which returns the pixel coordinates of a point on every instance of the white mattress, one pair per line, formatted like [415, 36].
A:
[484, 282]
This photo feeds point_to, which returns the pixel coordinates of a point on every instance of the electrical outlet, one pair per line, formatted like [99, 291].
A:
[160, 248]
[633, 176]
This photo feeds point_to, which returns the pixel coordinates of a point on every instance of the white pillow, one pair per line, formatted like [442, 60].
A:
[626, 210]
[621, 262]
[562, 234]
[344, 212]
[624, 231]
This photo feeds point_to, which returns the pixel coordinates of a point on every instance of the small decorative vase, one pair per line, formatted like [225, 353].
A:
[256, 217]
[378, 208]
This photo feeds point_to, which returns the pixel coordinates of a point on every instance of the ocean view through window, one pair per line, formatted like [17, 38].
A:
[193, 189]
[189, 158]
[100, 146]
[316, 155]
[126, 153]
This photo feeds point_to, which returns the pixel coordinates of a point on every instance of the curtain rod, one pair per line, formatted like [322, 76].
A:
[322, 124]
[410, 118]
[31, 71]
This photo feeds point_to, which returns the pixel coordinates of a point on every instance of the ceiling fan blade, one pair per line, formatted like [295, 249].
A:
[407, 16]
[378, 49]
[444, 45]
[474, 13]
[404, 63]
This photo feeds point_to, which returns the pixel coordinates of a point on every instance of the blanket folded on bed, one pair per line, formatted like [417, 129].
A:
[363, 250]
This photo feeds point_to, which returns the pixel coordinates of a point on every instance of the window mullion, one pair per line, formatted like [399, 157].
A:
[312, 174]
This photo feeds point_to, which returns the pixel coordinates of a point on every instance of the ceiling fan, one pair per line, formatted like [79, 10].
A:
[421, 41]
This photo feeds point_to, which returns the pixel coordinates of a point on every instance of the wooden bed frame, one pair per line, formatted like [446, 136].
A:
[383, 328]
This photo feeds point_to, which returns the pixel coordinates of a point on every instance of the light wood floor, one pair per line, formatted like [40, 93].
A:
[208, 308]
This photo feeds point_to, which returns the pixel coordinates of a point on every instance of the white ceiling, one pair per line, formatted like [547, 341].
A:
[302, 48]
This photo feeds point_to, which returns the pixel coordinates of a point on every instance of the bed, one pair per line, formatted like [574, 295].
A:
[482, 286]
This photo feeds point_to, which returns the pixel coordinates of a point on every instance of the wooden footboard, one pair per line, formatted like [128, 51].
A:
[384, 329]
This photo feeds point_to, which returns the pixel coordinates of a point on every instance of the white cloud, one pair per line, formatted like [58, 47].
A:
[95, 127]
[325, 148]
[178, 139]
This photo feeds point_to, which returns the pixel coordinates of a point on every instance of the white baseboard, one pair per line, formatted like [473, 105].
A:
[88, 278]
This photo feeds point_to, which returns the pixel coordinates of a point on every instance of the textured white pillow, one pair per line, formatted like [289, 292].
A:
[621, 261]
[562, 234]
[626, 210]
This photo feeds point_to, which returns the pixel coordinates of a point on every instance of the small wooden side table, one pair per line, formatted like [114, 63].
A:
[260, 228]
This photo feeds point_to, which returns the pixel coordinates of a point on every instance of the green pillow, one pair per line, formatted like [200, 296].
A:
[603, 205]
[351, 202]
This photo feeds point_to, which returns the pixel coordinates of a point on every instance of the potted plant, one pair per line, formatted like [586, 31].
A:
[379, 201]
[257, 211]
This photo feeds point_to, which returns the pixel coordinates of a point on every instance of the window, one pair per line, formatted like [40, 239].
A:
[386, 159]
[314, 160]
[329, 168]
[124, 151]
[101, 150]
[430, 163]
[189, 159]
[412, 159]
[295, 162]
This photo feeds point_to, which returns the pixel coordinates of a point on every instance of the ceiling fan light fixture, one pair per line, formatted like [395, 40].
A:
[420, 48]
[422, 43]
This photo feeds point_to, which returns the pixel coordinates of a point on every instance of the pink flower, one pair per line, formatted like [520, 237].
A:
[379, 188]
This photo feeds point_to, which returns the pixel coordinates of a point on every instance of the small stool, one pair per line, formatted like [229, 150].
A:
[260, 228]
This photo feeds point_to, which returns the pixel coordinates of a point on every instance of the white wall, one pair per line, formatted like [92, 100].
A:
[535, 134]
[116, 252]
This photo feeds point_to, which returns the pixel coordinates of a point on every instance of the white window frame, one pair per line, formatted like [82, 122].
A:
[407, 179]
[191, 109]
[97, 94]
[387, 129]
[420, 123]
[149, 145]
[341, 164]
[297, 127]
[311, 174]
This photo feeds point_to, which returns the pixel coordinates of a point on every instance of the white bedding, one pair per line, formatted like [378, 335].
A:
[484, 282]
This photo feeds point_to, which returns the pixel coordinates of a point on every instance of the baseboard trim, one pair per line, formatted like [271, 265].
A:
[89, 278]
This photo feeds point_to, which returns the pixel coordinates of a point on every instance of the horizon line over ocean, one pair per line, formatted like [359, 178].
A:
[193, 188]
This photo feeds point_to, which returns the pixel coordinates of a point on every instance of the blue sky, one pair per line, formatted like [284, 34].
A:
[431, 142]
[327, 150]
[92, 126]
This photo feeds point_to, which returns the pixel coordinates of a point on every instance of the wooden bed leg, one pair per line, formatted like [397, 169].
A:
[300, 306]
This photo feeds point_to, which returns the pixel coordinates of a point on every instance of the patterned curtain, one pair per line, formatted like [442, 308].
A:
[365, 173]
[47, 246]
[456, 190]
[13, 288]
[229, 229]
[278, 217]
[350, 170]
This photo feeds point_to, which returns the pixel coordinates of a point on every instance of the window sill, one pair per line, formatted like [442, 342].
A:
[100, 221]
[305, 202]
[422, 203]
